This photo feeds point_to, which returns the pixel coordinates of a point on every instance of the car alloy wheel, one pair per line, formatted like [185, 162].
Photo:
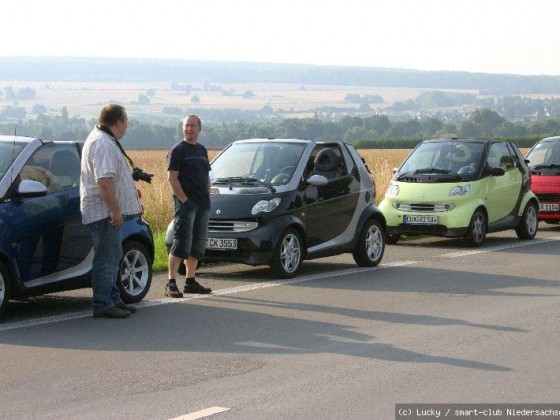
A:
[529, 224]
[5, 287]
[476, 232]
[371, 244]
[287, 256]
[135, 275]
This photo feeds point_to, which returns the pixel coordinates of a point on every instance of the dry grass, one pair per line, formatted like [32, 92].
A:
[156, 196]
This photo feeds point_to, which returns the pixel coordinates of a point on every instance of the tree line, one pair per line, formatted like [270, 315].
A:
[375, 131]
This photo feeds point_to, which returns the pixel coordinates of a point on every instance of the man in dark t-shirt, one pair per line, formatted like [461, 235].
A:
[188, 168]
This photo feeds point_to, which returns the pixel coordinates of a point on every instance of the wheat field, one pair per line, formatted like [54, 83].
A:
[156, 197]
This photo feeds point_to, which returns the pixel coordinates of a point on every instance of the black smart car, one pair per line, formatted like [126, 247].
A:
[278, 202]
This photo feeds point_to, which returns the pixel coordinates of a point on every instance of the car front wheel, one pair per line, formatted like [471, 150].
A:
[529, 224]
[371, 244]
[288, 254]
[476, 232]
[135, 275]
[5, 287]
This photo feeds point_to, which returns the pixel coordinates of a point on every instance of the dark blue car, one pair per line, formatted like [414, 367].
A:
[44, 247]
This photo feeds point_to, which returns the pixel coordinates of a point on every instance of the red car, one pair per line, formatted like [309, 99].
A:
[544, 163]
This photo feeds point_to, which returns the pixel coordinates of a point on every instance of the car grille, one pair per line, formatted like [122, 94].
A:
[240, 191]
[548, 197]
[424, 207]
[217, 226]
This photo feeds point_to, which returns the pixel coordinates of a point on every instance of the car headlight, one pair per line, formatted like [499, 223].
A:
[265, 206]
[393, 190]
[459, 190]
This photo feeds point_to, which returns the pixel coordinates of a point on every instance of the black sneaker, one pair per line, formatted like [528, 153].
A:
[171, 290]
[195, 287]
[113, 312]
[126, 307]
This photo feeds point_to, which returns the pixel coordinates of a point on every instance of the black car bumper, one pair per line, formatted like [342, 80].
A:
[254, 247]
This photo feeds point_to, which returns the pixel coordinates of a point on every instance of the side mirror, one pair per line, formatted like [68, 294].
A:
[497, 172]
[317, 180]
[29, 188]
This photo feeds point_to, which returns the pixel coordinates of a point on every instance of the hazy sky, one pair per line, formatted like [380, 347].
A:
[494, 36]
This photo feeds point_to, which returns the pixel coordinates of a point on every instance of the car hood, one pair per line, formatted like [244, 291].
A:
[545, 184]
[422, 193]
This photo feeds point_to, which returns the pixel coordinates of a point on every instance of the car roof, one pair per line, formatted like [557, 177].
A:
[550, 139]
[284, 141]
[270, 140]
[17, 139]
[460, 140]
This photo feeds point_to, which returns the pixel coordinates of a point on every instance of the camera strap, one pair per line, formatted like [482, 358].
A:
[107, 130]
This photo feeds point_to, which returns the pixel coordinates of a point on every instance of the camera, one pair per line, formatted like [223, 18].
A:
[139, 175]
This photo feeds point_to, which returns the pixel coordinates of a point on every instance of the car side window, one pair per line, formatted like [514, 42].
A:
[65, 165]
[500, 157]
[515, 155]
[328, 161]
[57, 167]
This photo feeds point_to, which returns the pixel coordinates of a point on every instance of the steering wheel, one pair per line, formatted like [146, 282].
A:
[283, 175]
[461, 153]
[286, 170]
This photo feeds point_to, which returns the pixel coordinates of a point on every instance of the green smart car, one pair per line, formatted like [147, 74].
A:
[461, 189]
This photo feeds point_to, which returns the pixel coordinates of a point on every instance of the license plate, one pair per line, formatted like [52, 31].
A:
[420, 220]
[221, 243]
[549, 206]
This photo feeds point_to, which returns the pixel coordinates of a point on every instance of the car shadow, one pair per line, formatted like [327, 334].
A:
[229, 331]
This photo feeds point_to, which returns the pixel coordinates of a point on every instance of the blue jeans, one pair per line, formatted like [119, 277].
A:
[106, 263]
[191, 227]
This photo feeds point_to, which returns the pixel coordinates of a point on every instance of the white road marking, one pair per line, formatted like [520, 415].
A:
[239, 289]
[500, 247]
[207, 412]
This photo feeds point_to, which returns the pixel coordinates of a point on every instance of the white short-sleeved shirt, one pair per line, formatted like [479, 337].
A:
[102, 158]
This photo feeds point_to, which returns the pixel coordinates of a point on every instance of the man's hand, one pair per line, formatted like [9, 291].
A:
[117, 219]
[107, 192]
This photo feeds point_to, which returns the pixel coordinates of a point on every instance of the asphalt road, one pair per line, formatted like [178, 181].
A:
[436, 322]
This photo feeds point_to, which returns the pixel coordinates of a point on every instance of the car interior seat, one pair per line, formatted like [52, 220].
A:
[66, 167]
[326, 164]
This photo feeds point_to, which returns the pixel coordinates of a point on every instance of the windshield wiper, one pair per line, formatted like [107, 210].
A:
[543, 166]
[242, 180]
[425, 171]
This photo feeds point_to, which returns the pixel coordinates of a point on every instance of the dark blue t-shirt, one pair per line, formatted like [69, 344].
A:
[191, 161]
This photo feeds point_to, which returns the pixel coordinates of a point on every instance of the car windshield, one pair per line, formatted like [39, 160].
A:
[269, 163]
[446, 161]
[545, 154]
[8, 152]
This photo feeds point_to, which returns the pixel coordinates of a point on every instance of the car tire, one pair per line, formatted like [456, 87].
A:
[476, 232]
[371, 244]
[5, 287]
[392, 239]
[529, 224]
[288, 254]
[135, 274]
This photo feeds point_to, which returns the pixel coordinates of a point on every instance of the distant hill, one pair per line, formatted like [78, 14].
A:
[68, 69]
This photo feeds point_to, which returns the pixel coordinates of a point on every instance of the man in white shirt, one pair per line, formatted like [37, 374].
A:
[107, 196]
